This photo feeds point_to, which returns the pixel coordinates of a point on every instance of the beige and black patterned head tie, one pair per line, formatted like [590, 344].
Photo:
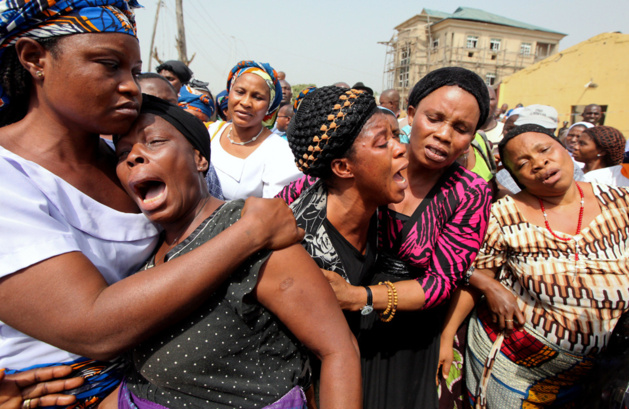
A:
[325, 126]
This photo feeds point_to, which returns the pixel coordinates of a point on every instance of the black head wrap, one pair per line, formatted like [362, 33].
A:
[519, 130]
[461, 77]
[325, 126]
[178, 68]
[187, 124]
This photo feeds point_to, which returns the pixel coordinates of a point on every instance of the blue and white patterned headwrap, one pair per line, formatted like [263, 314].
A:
[189, 98]
[39, 19]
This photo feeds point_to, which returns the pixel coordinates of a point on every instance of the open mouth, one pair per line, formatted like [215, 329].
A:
[436, 154]
[150, 192]
[398, 178]
[550, 176]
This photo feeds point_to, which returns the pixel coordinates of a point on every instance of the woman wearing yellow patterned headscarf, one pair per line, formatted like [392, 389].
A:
[249, 159]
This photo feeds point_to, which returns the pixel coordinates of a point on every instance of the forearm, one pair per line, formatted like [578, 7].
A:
[462, 303]
[341, 385]
[304, 302]
[410, 296]
[64, 301]
[153, 299]
[485, 282]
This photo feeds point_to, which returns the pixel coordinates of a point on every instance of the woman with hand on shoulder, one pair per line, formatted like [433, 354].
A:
[71, 233]
[239, 348]
[559, 247]
[427, 241]
[249, 159]
[353, 163]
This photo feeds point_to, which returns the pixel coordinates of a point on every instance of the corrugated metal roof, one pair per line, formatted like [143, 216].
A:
[436, 13]
[468, 13]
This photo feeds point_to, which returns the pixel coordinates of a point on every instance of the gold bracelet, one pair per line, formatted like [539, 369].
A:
[392, 304]
[389, 298]
[395, 301]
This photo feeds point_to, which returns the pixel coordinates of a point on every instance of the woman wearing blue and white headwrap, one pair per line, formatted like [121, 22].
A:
[70, 234]
[249, 159]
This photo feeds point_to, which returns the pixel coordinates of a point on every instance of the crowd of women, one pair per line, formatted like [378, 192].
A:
[127, 281]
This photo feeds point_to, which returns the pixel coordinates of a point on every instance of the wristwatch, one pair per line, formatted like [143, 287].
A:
[368, 308]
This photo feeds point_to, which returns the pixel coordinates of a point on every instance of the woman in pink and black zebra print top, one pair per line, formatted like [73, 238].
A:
[426, 242]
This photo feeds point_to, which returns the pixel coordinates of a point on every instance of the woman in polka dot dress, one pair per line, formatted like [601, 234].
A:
[243, 347]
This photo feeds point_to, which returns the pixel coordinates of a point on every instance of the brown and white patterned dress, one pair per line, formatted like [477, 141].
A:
[571, 304]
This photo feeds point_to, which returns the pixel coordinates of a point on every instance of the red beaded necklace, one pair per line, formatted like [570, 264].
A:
[541, 204]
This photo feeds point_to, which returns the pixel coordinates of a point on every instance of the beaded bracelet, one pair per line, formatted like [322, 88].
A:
[389, 298]
[392, 303]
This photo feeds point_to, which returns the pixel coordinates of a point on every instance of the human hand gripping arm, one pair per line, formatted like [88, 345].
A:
[65, 301]
[353, 298]
[291, 286]
[500, 301]
[37, 387]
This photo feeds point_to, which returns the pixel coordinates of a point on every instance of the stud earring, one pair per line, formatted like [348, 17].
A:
[40, 74]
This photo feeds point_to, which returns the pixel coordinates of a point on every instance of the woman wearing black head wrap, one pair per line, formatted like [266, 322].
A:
[176, 72]
[559, 249]
[427, 242]
[256, 321]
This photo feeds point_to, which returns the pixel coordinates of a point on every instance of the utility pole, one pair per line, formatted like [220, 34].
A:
[181, 34]
[151, 51]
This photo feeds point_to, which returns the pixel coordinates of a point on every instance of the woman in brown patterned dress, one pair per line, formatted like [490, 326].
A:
[559, 247]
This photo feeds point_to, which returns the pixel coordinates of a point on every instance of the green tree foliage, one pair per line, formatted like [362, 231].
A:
[300, 87]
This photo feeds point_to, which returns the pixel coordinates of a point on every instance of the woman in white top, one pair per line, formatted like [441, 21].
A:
[69, 231]
[249, 159]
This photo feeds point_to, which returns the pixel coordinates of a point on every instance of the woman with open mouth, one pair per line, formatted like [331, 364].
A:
[353, 161]
[559, 247]
[249, 159]
[427, 241]
[242, 347]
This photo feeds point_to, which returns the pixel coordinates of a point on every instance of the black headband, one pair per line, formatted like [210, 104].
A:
[187, 124]
[181, 70]
[461, 77]
[519, 130]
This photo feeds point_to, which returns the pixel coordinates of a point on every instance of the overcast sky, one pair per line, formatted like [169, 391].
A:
[325, 41]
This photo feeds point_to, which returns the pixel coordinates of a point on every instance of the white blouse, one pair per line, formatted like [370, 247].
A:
[44, 216]
[261, 174]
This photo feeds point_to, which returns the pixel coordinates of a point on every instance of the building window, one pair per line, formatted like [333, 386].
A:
[494, 44]
[525, 49]
[490, 79]
[544, 50]
[403, 77]
[405, 61]
[405, 55]
[435, 43]
[472, 41]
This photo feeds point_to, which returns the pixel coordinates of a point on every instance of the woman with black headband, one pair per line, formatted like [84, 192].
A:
[427, 242]
[559, 247]
[70, 231]
[242, 347]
